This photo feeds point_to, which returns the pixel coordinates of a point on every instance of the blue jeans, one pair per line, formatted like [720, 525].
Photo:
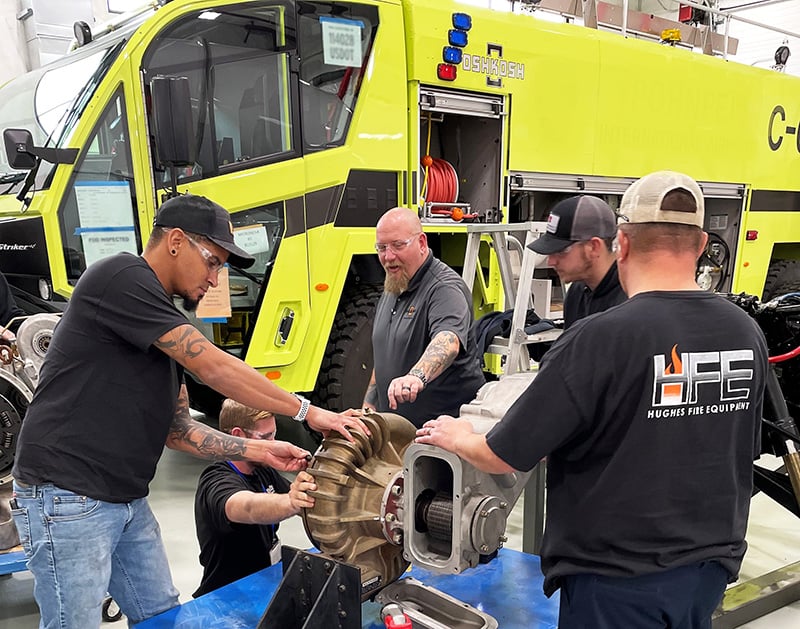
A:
[79, 548]
[681, 598]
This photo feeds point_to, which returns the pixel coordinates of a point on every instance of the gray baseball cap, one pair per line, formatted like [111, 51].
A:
[573, 220]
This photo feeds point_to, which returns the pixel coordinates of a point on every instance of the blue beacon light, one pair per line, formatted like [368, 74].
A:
[462, 21]
[452, 55]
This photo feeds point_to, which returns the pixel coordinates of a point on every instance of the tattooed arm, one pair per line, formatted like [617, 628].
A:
[438, 356]
[194, 437]
[235, 379]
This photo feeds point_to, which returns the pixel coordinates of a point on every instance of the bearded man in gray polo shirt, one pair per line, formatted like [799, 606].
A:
[426, 359]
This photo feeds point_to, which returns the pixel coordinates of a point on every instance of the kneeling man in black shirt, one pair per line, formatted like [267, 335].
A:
[239, 504]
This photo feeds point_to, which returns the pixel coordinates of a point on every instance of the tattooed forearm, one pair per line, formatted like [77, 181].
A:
[189, 435]
[186, 340]
[439, 355]
[205, 442]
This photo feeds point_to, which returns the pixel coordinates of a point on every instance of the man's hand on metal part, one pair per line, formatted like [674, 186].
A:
[325, 421]
[444, 432]
[282, 455]
[404, 389]
[303, 483]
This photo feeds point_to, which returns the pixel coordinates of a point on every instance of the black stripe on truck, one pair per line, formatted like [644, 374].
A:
[774, 201]
[367, 195]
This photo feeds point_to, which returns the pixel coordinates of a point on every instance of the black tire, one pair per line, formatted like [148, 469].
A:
[783, 277]
[347, 364]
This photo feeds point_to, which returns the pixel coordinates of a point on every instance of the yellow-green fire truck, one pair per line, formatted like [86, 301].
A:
[311, 118]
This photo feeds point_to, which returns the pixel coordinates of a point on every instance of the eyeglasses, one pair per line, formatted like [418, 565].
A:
[396, 246]
[213, 263]
[254, 434]
[566, 250]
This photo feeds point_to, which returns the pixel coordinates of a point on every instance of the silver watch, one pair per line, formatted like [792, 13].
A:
[304, 406]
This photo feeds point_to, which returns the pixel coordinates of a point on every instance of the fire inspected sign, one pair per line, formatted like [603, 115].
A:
[341, 41]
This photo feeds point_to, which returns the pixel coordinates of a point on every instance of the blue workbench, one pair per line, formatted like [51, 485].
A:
[12, 562]
[508, 588]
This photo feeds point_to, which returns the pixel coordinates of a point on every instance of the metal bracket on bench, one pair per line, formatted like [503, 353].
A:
[316, 591]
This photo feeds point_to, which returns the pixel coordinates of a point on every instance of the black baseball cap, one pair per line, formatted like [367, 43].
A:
[573, 220]
[198, 215]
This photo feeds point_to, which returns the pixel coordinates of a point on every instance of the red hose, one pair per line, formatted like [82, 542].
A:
[442, 182]
[782, 357]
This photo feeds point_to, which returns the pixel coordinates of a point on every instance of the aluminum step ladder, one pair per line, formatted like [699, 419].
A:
[523, 293]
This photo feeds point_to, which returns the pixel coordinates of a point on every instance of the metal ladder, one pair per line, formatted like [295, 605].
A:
[516, 346]
[519, 292]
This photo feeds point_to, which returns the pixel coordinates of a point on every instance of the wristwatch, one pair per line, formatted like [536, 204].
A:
[418, 373]
[304, 406]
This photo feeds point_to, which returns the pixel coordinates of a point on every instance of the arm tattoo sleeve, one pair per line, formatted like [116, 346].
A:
[439, 355]
[195, 437]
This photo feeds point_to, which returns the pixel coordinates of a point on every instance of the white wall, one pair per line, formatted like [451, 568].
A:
[755, 45]
[44, 34]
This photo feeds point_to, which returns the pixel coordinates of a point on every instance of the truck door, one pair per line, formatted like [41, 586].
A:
[241, 61]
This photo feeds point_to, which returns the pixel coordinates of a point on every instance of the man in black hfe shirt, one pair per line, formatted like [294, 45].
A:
[649, 415]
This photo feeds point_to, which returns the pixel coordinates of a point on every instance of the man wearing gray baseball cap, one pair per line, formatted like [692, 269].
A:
[577, 244]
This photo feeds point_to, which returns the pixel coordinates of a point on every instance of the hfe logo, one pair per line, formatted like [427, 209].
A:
[679, 382]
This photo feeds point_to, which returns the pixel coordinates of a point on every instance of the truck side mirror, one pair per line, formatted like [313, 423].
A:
[22, 154]
[172, 121]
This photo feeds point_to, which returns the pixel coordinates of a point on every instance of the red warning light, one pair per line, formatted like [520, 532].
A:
[446, 71]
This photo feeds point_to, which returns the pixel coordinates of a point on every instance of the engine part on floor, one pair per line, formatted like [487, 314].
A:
[429, 608]
[315, 591]
[20, 363]
[779, 319]
[33, 340]
[358, 513]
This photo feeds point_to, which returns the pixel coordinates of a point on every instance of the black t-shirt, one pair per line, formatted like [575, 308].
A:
[437, 300]
[650, 416]
[581, 301]
[231, 550]
[101, 412]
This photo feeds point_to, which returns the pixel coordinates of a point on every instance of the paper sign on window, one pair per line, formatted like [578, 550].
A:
[106, 219]
[341, 41]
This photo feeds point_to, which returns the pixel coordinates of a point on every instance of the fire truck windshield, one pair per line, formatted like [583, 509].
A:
[49, 101]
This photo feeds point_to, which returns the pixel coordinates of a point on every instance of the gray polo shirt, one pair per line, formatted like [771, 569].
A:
[436, 301]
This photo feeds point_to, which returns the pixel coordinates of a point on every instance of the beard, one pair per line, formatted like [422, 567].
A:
[396, 284]
[189, 304]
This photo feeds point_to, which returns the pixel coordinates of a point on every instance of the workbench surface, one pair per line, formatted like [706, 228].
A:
[508, 588]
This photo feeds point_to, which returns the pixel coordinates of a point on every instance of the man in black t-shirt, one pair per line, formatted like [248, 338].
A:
[110, 396]
[238, 505]
[577, 243]
[649, 415]
[426, 359]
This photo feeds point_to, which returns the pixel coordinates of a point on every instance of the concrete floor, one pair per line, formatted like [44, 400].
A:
[773, 535]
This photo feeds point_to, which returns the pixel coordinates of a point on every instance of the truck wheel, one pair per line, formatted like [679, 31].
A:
[347, 364]
[783, 277]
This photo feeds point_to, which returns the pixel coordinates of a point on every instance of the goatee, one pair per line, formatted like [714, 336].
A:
[396, 283]
[190, 305]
